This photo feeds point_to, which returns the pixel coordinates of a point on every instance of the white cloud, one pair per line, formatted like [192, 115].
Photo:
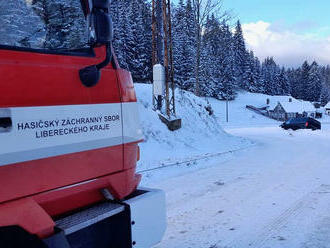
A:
[286, 46]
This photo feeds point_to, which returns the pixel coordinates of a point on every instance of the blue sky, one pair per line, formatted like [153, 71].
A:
[303, 16]
[289, 30]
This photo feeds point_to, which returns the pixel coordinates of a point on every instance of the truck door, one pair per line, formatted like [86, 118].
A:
[54, 131]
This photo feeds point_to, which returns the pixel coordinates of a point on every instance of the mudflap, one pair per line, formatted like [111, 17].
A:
[148, 217]
[17, 237]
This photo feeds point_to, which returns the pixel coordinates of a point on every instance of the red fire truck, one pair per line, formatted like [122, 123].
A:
[69, 134]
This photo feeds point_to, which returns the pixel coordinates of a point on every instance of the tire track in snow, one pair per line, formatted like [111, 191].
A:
[271, 230]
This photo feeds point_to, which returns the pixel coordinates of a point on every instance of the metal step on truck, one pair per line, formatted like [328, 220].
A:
[69, 133]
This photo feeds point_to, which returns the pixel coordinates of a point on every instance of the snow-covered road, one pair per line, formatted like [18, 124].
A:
[275, 194]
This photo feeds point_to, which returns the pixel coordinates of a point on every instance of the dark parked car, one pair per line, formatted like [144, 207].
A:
[301, 123]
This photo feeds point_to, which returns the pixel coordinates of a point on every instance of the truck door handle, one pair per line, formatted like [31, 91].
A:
[5, 122]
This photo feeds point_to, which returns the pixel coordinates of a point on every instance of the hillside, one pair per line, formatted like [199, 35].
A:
[201, 134]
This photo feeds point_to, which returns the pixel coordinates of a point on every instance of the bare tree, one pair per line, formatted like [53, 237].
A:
[203, 9]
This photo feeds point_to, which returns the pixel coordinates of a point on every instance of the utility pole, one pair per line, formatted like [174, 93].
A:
[163, 51]
[166, 62]
[227, 114]
[159, 18]
[198, 59]
[172, 101]
[154, 43]
[157, 39]
[154, 34]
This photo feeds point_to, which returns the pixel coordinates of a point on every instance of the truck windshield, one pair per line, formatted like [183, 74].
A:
[43, 24]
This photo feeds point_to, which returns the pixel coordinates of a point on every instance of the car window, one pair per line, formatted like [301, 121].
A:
[43, 24]
[298, 120]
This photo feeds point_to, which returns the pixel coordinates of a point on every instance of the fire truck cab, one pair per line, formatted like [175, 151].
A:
[69, 132]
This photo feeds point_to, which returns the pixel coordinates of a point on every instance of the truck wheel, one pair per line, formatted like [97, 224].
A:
[17, 237]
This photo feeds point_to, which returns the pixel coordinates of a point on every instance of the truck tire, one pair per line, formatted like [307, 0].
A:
[17, 237]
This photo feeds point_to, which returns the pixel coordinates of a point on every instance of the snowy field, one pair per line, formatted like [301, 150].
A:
[276, 194]
[249, 185]
[239, 116]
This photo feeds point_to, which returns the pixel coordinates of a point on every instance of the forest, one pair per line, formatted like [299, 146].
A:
[226, 64]
[210, 56]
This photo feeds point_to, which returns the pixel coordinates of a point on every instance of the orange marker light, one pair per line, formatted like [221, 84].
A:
[138, 154]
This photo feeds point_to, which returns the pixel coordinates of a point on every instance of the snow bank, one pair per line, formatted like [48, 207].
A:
[201, 133]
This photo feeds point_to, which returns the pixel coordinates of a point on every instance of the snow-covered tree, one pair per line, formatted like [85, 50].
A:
[190, 46]
[270, 76]
[301, 89]
[183, 46]
[132, 38]
[227, 64]
[20, 25]
[65, 23]
[121, 30]
[313, 83]
[325, 94]
[224, 64]
[240, 54]
[249, 76]
[283, 83]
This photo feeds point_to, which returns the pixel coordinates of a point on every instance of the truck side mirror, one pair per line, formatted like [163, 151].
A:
[103, 28]
[101, 33]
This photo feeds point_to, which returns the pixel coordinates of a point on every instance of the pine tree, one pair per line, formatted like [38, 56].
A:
[240, 53]
[283, 83]
[302, 90]
[66, 27]
[179, 48]
[132, 39]
[139, 51]
[121, 30]
[228, 64]
[249, 79]
[217, 64]
[257, 72]
[295, 82]
[270, 76]
[20, 25]
[313, 83]
[210, 83]
[190, 49]
[325, 94]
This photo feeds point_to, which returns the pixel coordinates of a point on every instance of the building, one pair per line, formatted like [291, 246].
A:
[283, 108]
[282, 113]
[292, 109]
[308, 109]
[327, 109]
